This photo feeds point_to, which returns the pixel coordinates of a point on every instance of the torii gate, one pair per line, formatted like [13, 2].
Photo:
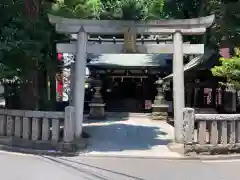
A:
[176, 28]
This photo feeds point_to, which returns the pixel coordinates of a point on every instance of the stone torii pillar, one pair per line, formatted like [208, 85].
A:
[178, 84]
[79, 80]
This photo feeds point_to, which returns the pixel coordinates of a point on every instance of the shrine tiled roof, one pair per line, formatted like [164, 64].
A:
[130, 60]
[205, 61]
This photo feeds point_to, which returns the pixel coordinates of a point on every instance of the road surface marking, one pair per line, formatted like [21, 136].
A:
[14, 153]
[221, 161]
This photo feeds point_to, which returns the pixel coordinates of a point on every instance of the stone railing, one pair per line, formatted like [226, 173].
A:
[211, 133]
[37, 129]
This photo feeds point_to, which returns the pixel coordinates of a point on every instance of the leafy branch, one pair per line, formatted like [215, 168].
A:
[229, 70]
[109, 9]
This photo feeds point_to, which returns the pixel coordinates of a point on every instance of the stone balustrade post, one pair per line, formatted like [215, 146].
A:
[187, 128]
[69, 124]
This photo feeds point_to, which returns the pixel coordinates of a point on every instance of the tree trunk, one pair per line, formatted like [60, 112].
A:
[29, 91]
[53, 94]
[32, 8]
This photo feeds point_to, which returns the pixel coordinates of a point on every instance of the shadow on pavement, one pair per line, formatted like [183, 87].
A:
[119, 137]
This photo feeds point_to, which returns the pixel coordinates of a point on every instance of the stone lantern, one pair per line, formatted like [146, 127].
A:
[97, 106]
[159, 108]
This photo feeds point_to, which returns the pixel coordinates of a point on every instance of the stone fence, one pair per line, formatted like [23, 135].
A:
[43, 130]
[211, 133]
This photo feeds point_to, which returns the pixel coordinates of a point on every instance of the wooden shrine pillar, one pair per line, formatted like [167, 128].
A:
[230, 98]
[189, 92]
[214, 95]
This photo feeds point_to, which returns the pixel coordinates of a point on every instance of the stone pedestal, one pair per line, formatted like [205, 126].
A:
[97, 107]
[97, 111]
[159, 108]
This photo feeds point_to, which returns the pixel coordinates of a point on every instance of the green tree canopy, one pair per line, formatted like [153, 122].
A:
[227, 13]
[24, 43]
[227, 26]
[229, 70]
[109, 9]
[27, 51]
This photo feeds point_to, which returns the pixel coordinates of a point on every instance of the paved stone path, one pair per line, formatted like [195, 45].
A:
[129, 136]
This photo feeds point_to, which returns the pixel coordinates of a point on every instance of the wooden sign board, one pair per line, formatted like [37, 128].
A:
[130, 41]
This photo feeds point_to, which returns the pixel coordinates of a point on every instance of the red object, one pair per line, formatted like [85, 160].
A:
[60, 56]
[60, 89]
[59, 86]
[60, 83]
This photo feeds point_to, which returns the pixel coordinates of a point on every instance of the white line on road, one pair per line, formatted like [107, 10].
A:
[221, 161]
[14, 153]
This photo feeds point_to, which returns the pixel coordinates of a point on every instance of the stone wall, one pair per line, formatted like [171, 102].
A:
[210, 133]
[43, 130]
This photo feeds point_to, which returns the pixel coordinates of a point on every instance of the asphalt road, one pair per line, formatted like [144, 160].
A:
[28, 167]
